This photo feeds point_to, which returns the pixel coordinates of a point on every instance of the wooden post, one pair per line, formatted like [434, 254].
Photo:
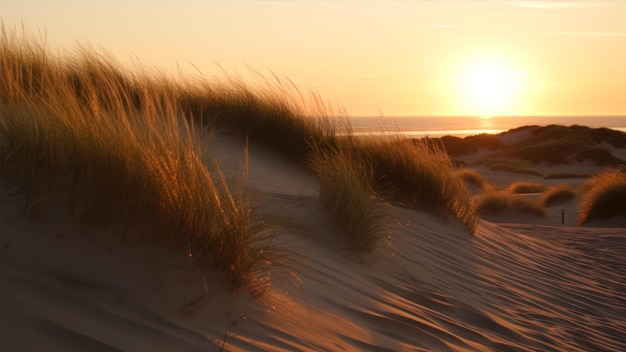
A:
[562, 216]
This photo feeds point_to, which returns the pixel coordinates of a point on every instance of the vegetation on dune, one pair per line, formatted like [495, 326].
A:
[553, 145]
[417, 173]
[277, 115]
[346, 190]
[120, 147]
[565, 175]
[362, 172]
[526, 187]
[603, 197]
[498, 201]
[470, 144]
[556, 144]
[557, 194]
[473, 178]
[583, 134]
[128, 146]
[497, 163]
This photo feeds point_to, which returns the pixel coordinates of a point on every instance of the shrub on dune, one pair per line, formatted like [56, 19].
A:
[603, 196]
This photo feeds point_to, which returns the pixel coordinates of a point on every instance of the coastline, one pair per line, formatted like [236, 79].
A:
[462, 126]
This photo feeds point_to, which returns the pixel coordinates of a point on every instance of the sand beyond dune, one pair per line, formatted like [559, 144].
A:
[511, 286]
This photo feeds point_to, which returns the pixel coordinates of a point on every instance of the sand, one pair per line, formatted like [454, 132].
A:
[518, 284]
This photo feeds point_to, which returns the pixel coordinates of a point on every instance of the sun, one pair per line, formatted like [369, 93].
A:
[488, 88]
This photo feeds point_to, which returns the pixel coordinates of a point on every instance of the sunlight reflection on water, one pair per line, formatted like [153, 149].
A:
[418, 127]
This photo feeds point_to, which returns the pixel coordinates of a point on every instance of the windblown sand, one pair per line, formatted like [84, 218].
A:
[512, 286]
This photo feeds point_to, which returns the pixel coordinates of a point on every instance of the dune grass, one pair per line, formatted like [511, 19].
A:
[563, 175]
[497, 163]
[473, 178]
[415, 173]
[276, 115]
[346, 190]
[557, 194]
[495, 202]
[118, 145]
[470, 144]
[361, 172]
[603, 197]
[128, 145]
[520, 187]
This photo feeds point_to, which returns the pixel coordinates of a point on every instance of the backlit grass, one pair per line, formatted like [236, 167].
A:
[557, 194]
[118, 144]
[128, 145]
[346, 190]
[475, 179]
[603, 197]
[498, 201]
[526, 187]
[415, 173]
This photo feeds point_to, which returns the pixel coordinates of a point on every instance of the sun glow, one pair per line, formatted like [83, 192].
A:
[489, 88]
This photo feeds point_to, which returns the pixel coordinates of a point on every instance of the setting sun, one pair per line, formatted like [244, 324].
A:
[488, 88]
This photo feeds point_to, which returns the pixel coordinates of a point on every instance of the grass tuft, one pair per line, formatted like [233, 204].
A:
[473, 178]
[557, 194]
[520, 187]
[119, 146]
[346, 190]
[497, 201]
[416, 173]
[603, 197]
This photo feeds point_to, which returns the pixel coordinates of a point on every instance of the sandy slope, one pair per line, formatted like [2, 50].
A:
[513, 287]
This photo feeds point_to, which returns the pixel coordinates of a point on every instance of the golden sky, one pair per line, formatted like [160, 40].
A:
[387, 58]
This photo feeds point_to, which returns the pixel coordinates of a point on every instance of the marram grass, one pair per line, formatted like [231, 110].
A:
[603, 197]
[557, 194]
[346, 191]
[494, 202]
[415, 173]
[118, 143]
[128, 145]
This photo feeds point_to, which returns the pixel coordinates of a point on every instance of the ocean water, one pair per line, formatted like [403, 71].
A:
[437, 126]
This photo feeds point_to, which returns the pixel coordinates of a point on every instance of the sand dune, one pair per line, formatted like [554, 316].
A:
[432, 287]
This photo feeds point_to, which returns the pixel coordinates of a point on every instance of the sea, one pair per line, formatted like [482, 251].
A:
[461, 126]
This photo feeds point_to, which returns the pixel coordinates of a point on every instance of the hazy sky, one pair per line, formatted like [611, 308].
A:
[372, 57]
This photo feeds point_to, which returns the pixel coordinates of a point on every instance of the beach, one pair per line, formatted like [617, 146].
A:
[140, 212]
[518, 283]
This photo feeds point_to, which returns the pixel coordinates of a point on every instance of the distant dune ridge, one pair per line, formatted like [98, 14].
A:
[140, 212]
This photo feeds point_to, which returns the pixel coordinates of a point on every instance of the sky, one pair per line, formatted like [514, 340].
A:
[373, 58]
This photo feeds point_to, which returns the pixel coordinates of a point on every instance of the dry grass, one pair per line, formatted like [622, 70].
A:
[470, 144]
[346, 190]
[520, 187]
[128, 145]
[362, 171]
[475, 179]
[118, 144]
[565, 175]
[557, 194]
[603, 196]
[276, 114]
[498, 201]
[415, 173]
[497, 163]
